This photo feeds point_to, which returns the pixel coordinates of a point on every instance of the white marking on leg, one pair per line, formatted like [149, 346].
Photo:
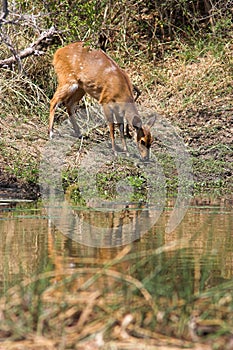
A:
[73, 87]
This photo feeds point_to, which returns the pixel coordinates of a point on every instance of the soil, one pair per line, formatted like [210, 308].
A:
[11, 186]
[208, 134]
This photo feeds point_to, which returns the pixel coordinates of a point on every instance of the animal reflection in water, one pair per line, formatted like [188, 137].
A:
[113, 225]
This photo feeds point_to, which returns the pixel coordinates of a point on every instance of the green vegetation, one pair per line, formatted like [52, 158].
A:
[113, 179]
[178, 54]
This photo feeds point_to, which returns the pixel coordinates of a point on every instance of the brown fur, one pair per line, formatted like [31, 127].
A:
[79, 71]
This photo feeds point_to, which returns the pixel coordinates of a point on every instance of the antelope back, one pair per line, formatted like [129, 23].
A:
[94, 72]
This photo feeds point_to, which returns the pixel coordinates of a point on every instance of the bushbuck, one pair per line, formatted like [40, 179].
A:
[81, 70]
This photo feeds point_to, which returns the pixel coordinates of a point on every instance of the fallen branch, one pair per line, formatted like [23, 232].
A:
[37, 48]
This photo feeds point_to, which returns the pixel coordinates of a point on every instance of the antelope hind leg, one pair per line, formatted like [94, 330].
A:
[71, 104]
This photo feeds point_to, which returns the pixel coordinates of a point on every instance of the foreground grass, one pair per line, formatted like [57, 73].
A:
[102, 308]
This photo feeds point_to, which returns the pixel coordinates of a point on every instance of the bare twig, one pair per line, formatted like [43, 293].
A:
[34, 49]
[4, 11]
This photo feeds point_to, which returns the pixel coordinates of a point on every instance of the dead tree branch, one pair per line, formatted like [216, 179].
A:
[4, 11]
[36, 48]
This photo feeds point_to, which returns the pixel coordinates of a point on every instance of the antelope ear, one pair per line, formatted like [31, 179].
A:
[151, 122]
[136, 122]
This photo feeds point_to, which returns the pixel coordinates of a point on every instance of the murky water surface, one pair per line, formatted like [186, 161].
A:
[196, 256]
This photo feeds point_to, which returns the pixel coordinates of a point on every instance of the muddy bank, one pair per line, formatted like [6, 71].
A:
[12, 187]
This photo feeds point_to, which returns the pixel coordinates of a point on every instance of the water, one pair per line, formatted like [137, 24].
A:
[196, 256]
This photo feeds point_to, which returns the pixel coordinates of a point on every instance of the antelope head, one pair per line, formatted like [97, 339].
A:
[143, 137]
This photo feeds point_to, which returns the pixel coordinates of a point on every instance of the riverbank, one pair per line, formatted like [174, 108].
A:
[194, 95]
[207, 134]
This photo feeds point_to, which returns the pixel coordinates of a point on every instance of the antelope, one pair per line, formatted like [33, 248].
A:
[81, 70]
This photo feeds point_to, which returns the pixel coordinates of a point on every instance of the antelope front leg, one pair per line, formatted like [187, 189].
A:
[112, 136]
[119, 114]
[121, 128]
[108, 112]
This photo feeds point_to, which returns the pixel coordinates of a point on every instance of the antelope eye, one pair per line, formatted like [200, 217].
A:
[143, 143]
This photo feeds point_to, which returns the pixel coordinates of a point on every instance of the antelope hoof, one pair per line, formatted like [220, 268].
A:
[77, 135]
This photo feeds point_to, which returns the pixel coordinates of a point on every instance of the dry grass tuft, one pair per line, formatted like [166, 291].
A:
[176, 85]
[102, 308]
